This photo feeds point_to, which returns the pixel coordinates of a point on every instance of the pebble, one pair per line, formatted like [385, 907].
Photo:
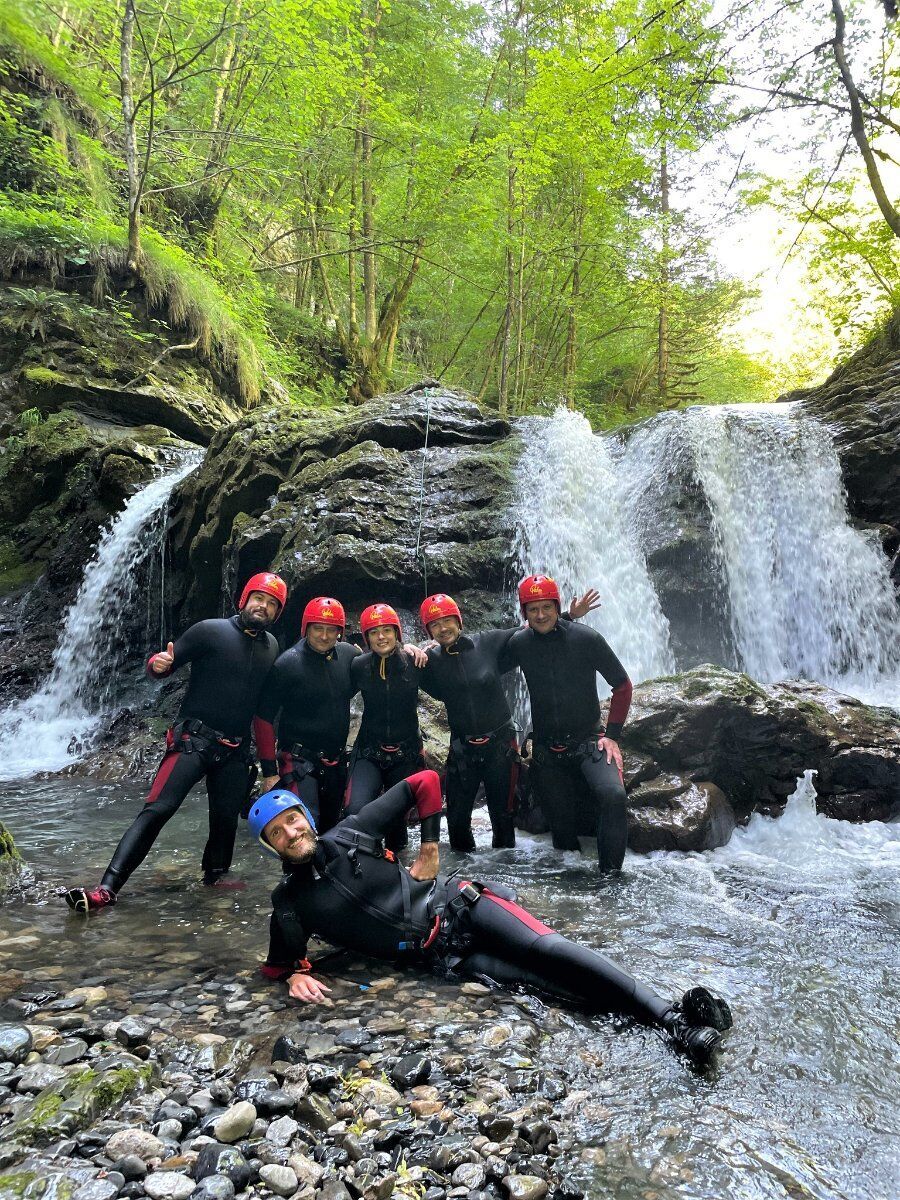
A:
[130, 1166]
[15, 1043]
[281, 1131]
[134, 1142]
[132, 1032]
[90, 996]
[282, 1180]
[40, 1075]
[411, 1070]
[67, 1052]
[168, 1185]
[525, 1187]
[235, 1123]
[97, 1189]
[469, 1175]
[378, 1094]
[305, 1169]
[214, 1187]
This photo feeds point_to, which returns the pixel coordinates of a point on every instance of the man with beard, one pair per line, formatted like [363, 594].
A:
[230, 659]
[347, 887]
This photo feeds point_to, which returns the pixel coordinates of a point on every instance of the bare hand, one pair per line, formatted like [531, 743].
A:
[428, 863]
[613, 753]
[270, 781]
[303, 987]
[525, 752]
[582, 605]
[419, 657]
[162, 662]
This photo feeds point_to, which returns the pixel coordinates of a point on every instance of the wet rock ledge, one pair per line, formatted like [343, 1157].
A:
[417, 1095]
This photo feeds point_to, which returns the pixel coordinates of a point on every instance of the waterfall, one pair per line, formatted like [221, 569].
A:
[55, 726]
[810, 596]
[572, 524]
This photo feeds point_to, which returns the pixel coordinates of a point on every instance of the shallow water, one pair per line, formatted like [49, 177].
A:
[795, 921]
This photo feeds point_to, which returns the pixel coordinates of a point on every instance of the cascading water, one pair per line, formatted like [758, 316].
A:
[54, 726]
[573, 525]
[810, 596]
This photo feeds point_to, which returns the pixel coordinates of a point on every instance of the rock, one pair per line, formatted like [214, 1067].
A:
[265, 1096]
[91, 996]
[314, 1111]
[307, 1171]
[132, 1032]
[539, 1135]
[39, 1076]
[15, 1043]
[496, 1127]
[333, 1190]
[469, 1175]
[525, 1187]
[751, 742]
[67, 1052]
[321, 1077]
[330, 499]
[215, 1159]
[377, 1094]
[281, 1180]
[97, 1189]
[131, 1166]
[137, 1143]
[281, 1131]
[411, 1070]
[286, 1049]
[214, 1187]
[235, 1123]
[168, 1185]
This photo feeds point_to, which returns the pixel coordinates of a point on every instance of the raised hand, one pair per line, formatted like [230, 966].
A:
[162, 662]
[582, 605]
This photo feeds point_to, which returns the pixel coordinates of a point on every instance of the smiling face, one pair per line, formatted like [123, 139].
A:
[322, 638]
[383, 640]
[291, 836]
[260, 610]
[445, 630]
[542, 615]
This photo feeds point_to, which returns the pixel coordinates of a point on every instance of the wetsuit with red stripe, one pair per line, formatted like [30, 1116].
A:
[483, 749]
[580, 792]
[210, 740]
[368, 903]
[388, 746]
[308, 694]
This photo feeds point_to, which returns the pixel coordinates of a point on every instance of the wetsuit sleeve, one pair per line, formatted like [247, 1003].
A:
[264, 736]
[428, 681]
[267, 709]
[422, 791]
[286, 956]
[191, 645]
[617, 678]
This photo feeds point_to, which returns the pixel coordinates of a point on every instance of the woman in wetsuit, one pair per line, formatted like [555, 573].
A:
[389, 745]
[346, 887]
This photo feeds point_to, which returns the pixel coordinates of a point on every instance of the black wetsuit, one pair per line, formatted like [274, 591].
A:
[483, 748]
[560, 668]
[358, 898]
[312, 692]
[388, 746]
[211, 738]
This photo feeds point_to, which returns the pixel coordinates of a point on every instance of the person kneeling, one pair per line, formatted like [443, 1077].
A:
[345, 886]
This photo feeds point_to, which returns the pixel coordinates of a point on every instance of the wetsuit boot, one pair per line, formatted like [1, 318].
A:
[702, 1007]
[700, 1041]
[88, 900]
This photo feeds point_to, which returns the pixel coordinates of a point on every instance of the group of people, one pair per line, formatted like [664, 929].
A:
[337, 825]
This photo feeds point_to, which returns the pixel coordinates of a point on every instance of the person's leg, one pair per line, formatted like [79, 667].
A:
[514, 948]
[397, 837]
[364, 784]
[306, 786]
[227, 783]
[332, 780]
[175, 777]
[556, 793]
[608, 795]
[461, 787]
[501, 774]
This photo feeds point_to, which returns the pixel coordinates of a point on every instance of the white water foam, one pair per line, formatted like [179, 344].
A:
[53, 728]
[810, 595]
[573, 526]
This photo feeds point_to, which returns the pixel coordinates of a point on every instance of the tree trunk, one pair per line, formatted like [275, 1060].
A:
[353, 233]
[662, 351]
[126, 49]
[368, 189]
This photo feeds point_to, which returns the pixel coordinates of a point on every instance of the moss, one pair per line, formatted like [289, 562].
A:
[43, 377]
[8, 852]
[46, 1106]
[15, 573]
[13, 1184]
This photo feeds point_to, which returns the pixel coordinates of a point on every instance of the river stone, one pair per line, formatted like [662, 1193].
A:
[496, 1127]
[525, 1187]
[315, 1111]
[91, 996]
[168, 1185]
[97, 1189]
[281, 1180]
[138, 1142]
[235, 1123]
[130, 1166]
[40, 1075]
[411, 1070]
[322, 1077]
[281, 1131]
[132, 1032]
[469, 1175]
[15, 1043]
[67, 1052]
[539, 1134]
[287, 1049]
[215, 1159]
[214, 1187]
[306, 1170]
[377, 1094]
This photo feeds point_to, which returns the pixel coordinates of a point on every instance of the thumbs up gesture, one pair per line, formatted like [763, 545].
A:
[162, 662]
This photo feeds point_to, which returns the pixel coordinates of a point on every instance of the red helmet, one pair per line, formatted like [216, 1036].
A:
[270, 584]
[538, 587]
[437, 606]
[378, 614]
[323, 610]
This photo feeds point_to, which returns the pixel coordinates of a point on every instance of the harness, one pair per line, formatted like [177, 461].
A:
[391, 755]
[471, 750]
[310, 762]
[568, 749]
[184, 735]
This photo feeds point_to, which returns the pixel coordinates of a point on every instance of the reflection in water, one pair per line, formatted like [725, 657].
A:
[795, 921]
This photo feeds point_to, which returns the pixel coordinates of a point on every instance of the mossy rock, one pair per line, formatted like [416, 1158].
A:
[10, 858]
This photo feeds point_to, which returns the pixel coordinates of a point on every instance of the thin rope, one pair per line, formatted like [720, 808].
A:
[422, 488]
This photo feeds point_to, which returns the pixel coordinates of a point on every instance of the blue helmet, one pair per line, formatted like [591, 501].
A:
[269, 805]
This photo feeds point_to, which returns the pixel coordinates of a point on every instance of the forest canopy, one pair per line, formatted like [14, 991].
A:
[516, 198]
